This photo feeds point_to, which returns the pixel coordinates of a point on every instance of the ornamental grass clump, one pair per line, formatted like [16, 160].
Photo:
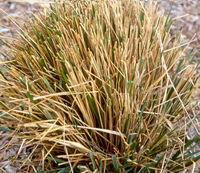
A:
[99, 86]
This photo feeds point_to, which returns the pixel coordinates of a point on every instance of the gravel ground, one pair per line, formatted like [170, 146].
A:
[186, 14]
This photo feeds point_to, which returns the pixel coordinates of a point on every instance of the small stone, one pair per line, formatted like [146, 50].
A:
[3, 30]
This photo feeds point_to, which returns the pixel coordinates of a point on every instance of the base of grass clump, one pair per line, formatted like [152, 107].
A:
[100, 86]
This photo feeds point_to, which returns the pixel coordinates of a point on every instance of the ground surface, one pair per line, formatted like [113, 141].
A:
[185, 12]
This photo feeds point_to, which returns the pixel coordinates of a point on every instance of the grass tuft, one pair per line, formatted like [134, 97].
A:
[99, 86]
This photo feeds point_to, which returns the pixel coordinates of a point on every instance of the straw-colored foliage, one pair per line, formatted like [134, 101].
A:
[99, 86]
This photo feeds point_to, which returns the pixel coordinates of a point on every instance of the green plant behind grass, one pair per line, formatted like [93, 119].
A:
[100, 86]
